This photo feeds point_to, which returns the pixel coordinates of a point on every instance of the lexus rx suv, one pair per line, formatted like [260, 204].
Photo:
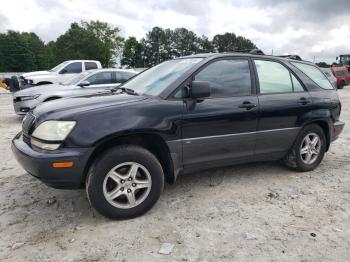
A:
[183, 115]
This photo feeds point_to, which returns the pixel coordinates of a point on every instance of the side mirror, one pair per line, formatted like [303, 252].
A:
[200, 89]
[84, 83]
[63, 71]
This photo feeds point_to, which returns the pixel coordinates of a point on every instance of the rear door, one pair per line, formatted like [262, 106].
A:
[220, 130]
[283, 102]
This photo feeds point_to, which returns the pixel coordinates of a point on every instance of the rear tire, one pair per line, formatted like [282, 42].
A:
[306, 154]
[124, 182]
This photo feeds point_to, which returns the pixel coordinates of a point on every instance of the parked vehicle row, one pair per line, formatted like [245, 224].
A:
[90, 82]
[60, 73]
[190, 113]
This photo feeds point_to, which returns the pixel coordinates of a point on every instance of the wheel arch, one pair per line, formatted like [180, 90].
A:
[44, 83]
[51, 98]
[152, 142]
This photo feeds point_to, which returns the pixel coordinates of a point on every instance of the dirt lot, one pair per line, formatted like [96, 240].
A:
[255, 212]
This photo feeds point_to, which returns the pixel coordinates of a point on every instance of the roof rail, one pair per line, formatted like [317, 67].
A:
[295, 57]
[253, 51]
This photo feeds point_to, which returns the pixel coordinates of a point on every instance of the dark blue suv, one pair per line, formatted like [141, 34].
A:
[187, 114]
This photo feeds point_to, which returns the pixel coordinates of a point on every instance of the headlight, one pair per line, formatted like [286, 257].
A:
[53, 132]
[25, 98]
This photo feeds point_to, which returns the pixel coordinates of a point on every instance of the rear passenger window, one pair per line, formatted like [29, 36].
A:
[227, 78]
[122, 77]
[273, 77]
[90, 65]
[100, 78]
[315, 74]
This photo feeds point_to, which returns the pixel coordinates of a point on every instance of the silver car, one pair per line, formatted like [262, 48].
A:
[87, 83]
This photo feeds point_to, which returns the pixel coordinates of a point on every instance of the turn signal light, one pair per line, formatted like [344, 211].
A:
[62, 164]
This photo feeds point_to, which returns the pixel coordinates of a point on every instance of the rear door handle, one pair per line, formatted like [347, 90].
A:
[304, 101]
[247, 105]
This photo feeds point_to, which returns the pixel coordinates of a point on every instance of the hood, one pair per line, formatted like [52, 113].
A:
[39, 90]
[36, 73]
[69, 107]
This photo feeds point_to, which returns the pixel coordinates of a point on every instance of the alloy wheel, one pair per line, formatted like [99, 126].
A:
[310, 148]
[127, 185]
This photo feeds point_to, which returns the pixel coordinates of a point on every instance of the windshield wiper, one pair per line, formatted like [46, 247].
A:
[125, 90]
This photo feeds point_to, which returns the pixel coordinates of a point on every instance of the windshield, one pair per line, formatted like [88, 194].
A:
[58, 67]
[155, 80]
[344, 59]
[75, 80]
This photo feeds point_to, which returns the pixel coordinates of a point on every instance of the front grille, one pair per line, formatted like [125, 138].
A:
[28, 124]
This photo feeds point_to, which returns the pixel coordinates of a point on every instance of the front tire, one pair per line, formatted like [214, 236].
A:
[308, 149]
[125, 182]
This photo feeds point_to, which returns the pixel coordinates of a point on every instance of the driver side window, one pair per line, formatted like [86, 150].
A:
[227, 77]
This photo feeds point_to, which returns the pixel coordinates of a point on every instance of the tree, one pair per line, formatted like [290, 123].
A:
[156, 46]
[110, 43]
[229, 42]
[205, 45]
[101, 41]
[184, 42]
[90, 40]
[132, 53]
[22, 52]
[323, 64]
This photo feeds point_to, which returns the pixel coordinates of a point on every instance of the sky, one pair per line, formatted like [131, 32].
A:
[317, 30]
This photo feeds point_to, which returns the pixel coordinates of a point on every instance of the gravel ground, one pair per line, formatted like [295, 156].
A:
[255, 212]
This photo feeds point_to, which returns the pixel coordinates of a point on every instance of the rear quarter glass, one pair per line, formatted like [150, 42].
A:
[314, 74]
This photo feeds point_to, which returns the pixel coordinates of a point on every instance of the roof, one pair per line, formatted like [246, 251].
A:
[113, 69]
[240, 54]
[82, 60]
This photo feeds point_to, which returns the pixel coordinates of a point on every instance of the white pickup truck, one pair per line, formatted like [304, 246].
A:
[59, 73]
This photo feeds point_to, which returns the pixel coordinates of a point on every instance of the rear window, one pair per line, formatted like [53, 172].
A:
[314, 74]
[339, 73]
[122, 77]
[90, 65]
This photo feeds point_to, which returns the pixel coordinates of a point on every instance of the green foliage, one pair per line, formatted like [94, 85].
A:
[89, 40]
[100, 41]
[323, 64]
[132, 53]
[22, 52]
[164, 44]
[229, 42]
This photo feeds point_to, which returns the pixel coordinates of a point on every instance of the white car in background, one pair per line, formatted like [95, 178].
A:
[59, 74]
[93, 82]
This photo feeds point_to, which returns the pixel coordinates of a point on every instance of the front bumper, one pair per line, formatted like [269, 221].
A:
[23, 107]
[39, 164]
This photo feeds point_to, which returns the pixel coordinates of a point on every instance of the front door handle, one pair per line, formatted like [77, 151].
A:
[304, 101]
[247, 105]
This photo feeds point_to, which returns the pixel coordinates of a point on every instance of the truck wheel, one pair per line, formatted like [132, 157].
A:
[124, 182]
[308, 150]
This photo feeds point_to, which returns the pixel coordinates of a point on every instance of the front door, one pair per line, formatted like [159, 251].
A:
[220, 130]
